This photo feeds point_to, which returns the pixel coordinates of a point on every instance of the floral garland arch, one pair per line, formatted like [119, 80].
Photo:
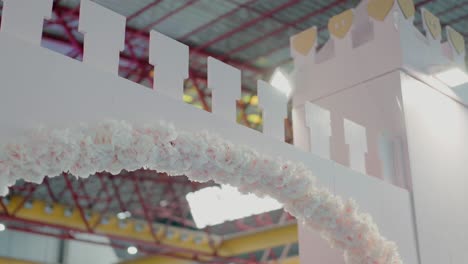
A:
[116, 145]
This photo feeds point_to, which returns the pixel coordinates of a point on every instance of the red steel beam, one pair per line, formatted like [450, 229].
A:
[168, 15]
[188, 210]
[144, 248]
[131, 50]
[253, 9]
[422, 3]
[103, 190]
[297, 21]
[132, 71]
[124, 180]
[242, 226]
[169, 209]
[144, 73]
[82, 187]
[70, 10]
[165, 213]
[201, 94]
[147, 175]
[49, 189]
[69, 236]
[62, 193]
[77, 202]
[116, 192]
[245, 25]
[143, 205]
[31, 190]
[456, 20]
[108, 202]
[448, 10]
[161, 249]
[179, 205]
[68, 32]
[131, 32]
[236, 63]
[144, 9]
[3, 206]
[217, 19]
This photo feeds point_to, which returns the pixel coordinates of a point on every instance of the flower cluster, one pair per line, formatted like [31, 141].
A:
[114, 146]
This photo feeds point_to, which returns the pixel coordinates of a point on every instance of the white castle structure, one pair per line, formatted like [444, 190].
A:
[373, 119]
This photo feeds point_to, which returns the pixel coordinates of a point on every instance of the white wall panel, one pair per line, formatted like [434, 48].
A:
[25, 246]
[80, 252]
[389, 206]
[437, 129]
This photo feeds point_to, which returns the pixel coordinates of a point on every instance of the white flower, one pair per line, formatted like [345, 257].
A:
[120, 134]
[115, 146]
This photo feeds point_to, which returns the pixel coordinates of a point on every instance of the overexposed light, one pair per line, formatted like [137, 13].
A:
[452, 77]
[188, 98]
[68, 212]
[215, 205]
[163, 203]
[48, 208]
[124, 215]
[254, 100]
[2, 227]
[132, 250]
[281, 82]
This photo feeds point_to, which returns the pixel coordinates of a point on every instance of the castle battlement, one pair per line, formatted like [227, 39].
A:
[367, 42]
[104, 33]
[348, 104]
[341, 88]
[372, 39]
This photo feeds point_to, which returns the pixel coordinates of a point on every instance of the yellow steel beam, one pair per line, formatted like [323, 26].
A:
[59, 215]
[158, 260]
[136, 230]
[290, 260]
[268, 238]
[5, 260]
[169, 260]
[176, 258]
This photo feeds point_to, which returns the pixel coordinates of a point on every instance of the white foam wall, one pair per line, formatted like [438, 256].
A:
[437, 129]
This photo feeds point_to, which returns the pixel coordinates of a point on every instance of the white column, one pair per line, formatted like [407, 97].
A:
[356, 139]
[225, 83]
[25, 18]
[275, 109]
[171, 61]
[104, 36]
[319, 124]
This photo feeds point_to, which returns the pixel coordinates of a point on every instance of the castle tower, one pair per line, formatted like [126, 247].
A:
[373, 98]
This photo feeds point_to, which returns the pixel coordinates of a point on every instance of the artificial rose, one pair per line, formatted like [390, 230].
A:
[115, 146]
